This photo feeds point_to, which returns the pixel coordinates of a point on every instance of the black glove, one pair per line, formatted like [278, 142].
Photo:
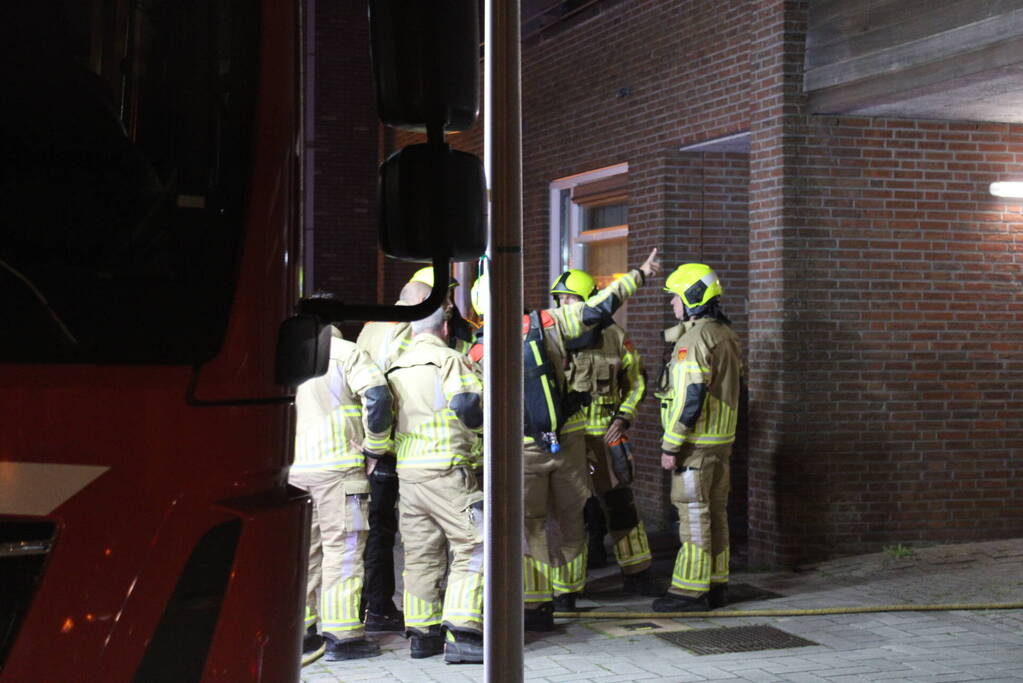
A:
[387, 466]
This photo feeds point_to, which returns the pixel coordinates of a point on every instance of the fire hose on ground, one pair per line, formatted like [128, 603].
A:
[717, 614]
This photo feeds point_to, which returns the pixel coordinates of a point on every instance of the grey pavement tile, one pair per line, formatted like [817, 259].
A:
[945, 678]
[589, 676]
[668, 669]
[804, 677]
[700, 671]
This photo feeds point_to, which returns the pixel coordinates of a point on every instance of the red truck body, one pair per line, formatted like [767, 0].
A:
[147, 531]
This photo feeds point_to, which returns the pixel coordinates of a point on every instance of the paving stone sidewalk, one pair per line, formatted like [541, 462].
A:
[917, 646]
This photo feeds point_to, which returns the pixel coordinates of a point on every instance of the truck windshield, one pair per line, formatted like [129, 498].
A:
[126, 134]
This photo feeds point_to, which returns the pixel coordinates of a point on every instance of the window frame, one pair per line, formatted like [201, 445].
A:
[576, 236]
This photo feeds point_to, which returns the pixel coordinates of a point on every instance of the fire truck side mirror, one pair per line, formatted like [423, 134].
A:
[303, 349]
[432, 203]
[426, 59]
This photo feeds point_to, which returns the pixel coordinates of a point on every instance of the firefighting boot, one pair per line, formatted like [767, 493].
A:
[565, 602]
[393, 622]
[718, 595]
[680, 603]
[355, 648]
[463, 647]
[428, 644]
[640, 583]
[313, 646]
[540, 618]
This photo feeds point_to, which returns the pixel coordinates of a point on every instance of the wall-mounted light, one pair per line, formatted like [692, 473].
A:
[1007, 189]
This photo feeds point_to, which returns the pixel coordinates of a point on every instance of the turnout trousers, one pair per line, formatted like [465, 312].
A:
[340, 524]
[699, 491]
[555, 485]
[621, 519]
[441, 511]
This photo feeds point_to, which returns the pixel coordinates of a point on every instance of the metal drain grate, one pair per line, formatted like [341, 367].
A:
[716, 641]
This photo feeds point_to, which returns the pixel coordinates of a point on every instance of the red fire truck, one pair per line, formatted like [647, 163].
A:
[148, 255]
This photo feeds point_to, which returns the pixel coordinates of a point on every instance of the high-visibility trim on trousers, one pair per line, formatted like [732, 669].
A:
[419, 613]
[571, 576]
[633, 548]
[719, 572]
[699, 492]
[692, 569]
[536, 581]
[438, 515]
[339, 606]
[337, 541]
[463, 599]
[555, 489]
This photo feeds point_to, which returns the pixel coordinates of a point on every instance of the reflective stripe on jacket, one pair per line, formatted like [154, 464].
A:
[699, 387]
[438, 405]
[331, 421]
[573, 321]
[611, 372]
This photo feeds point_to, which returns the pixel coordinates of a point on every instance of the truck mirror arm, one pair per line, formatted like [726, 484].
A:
[333, 310]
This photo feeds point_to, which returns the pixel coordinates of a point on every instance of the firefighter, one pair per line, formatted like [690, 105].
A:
[343, 424]
[384, 342]
[605, 364]
[699, 392]
[555, 474]
[439, 407]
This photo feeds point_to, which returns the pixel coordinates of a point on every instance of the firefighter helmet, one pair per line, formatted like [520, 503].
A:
[425, 275]
[694, 283]
[577, 282]
[479, 294]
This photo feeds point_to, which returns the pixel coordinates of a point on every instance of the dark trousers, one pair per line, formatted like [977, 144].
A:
[378, 590]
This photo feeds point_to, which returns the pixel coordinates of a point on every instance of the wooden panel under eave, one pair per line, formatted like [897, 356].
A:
[891, 56]
[893, 23]
[900, 93]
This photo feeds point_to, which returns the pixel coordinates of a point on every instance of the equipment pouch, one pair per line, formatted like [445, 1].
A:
[357, 505]
[621, 462]
[604, 379]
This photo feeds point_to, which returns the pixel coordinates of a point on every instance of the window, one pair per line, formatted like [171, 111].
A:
[126, 132]
[590, 223]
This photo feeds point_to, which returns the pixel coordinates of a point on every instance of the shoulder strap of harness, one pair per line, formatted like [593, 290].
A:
[542, 410]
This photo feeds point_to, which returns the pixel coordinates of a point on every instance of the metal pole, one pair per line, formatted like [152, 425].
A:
[502, 153]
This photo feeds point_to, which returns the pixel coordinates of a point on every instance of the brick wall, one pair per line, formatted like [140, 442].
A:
[775, 73]
[644, 77]
[903, 339]
[345, 145]
[693, 206]
[886, 310]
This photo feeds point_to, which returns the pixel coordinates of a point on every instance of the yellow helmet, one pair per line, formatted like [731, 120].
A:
[425, 275]
[577, 282]
[695, 283]
[479, 294]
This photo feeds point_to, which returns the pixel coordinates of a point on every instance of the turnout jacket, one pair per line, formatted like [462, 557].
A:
[438, 401]
[699, 387]
[561, 325]
[348, 406]
[385, 341]
[610, 371]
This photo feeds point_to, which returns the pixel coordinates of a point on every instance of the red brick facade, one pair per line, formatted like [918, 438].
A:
[343, 142]
[886, 361]
[875, 283]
